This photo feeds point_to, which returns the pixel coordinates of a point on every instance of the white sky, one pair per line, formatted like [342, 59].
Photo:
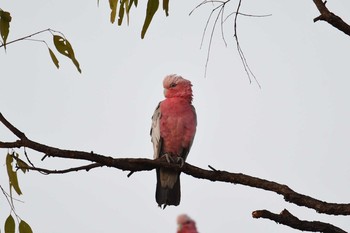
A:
[294, 130]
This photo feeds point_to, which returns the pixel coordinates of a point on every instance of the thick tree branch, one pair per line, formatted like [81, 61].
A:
[330, 17]
[134, 165]
[286, 218]
[12, 128]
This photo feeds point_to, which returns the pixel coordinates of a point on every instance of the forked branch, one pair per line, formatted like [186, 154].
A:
[286, 218]
[330, 17]
[142, 164]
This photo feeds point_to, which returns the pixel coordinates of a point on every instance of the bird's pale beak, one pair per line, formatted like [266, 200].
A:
[164, 91]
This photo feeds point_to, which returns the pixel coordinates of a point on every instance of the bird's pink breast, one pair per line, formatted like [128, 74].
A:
[177, 125]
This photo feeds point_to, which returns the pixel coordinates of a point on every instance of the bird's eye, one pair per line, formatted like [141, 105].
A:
[172, 85]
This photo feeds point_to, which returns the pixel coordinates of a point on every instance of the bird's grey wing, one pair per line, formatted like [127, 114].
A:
[155, 132]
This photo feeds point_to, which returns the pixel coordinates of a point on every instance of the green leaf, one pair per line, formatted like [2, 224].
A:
[54, 58]
[152, 7]
[121, 12]
[113, 5]
[10, 225]
[12, 175]
[64, 47]
[130, 4]
[22, 165]
[24, 227]
[166, 7]
[5, 19]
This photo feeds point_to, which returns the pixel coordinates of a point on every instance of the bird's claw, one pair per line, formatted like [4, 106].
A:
[168, 158]
[178, 160]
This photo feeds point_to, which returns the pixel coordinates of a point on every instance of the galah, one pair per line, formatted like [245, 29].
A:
[173, 128]
[185, 224]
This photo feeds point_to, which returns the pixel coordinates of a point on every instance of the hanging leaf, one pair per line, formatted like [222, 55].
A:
[22, 165]
[130, 4]
[113, 5]
[152, 7]
[64, 47]
[166, 7]
[9, 225]
[54, 58]
[121, 12]
[12, 174]
[24, 227]
[5, 19]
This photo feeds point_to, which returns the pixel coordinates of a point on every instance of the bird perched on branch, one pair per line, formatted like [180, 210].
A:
[173, 128]
[185, 224]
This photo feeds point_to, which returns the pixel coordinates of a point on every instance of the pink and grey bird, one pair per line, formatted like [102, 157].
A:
[173, 128]
[185, 224]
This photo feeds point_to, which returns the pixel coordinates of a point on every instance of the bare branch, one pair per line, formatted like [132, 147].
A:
[142, 164]
[26, 37]
[13, 129]
[330, 17]
[286, 218]
[73, 169]
[220, 6]
[247, 69]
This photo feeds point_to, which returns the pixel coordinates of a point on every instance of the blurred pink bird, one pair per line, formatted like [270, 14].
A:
[185, 224]
[173, 128]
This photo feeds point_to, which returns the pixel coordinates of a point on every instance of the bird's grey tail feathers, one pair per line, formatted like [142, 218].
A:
[165, 195]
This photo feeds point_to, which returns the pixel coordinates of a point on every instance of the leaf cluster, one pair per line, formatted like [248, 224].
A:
[13, 165]
[124, 7]
[10, 226]
[62, 45]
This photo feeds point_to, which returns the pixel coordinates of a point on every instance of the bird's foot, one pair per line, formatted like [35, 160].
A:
[180, 161]
[169, 158]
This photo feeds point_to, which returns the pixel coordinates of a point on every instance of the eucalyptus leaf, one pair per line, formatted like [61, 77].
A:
[54, 58]
[24, 227]
[23, 165]
[65, 48]
[166, 7]
[130, 5]
[9, 225]
[152, 7]
[121, 12]
[113, 5]
[12, 174]
[5, 19]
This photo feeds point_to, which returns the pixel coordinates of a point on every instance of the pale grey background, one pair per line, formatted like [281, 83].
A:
[294, 130]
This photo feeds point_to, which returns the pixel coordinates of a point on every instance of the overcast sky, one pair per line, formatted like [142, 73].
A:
[294, 130]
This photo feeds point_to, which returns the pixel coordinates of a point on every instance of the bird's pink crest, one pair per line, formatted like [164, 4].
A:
[183, 218]
[186, 224]
[176, 86]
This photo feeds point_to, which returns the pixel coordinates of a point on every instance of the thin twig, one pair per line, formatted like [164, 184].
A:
[10, 202]
[25, 37]
[211, 39]
[247, 69]
[220, 6]
[63, 171]
[247, 15]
